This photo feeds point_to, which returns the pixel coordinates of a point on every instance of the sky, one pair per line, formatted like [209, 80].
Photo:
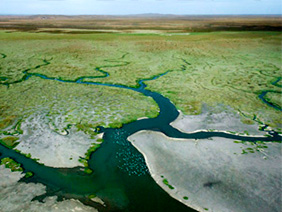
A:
[125, 7]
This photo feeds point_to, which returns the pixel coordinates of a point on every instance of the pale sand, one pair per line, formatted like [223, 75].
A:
[142, 118]
[223, 121]
[213, 173]
[17, 196]
[51, 148]
[98, 200]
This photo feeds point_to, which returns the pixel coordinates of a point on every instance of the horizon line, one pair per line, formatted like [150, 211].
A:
[144, 14]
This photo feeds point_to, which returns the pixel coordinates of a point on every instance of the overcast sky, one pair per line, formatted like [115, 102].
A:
[118, 7]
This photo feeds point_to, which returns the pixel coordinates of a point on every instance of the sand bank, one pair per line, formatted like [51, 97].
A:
[227, 121]
[214, 174]
[17, 196]
[51, 148]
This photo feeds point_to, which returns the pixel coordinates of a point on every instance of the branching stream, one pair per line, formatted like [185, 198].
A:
[121, 177]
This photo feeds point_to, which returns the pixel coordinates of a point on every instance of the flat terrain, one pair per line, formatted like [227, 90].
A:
[63, 79]
[229, 68]
[212, 173]
[170, 23]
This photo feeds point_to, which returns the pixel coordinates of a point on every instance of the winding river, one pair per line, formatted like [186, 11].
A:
[264, 93]
[120, 176]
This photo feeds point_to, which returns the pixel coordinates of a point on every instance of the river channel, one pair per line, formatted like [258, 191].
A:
[120, 175]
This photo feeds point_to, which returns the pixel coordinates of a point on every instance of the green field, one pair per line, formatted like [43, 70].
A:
[220, 68]
[229, 68]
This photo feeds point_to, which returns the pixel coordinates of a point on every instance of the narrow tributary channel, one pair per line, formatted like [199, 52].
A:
[120, 176]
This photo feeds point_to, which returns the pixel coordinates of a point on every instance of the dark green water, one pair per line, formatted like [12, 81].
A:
[267, 101]
[121, 177]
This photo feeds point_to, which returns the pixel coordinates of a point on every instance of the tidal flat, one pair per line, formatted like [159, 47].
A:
[214, 173]
[70, 98]
[17, 196]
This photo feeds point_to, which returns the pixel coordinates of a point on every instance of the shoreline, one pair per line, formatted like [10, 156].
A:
[158, 179]
[183, 119]
[201, 157]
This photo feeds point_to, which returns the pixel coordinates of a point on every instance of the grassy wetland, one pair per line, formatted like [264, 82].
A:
[71, 94]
